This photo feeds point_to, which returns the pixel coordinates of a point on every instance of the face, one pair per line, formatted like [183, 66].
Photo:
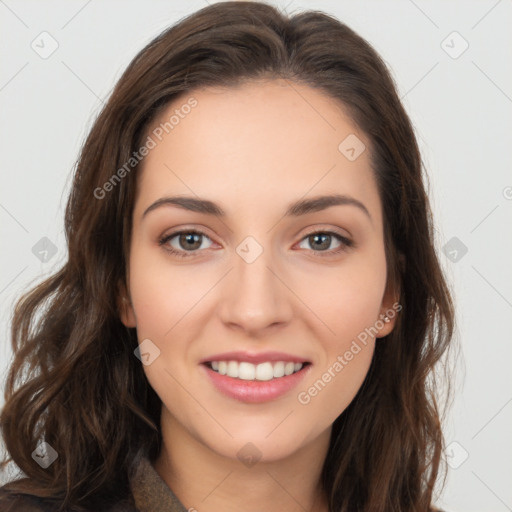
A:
[259, 280]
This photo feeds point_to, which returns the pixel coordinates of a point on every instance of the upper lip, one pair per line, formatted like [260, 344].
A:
[254, 358]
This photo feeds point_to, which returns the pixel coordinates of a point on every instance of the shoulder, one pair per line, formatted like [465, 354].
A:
[15, 502]
[10, 502]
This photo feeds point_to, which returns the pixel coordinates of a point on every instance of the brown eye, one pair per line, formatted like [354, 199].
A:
[181, 242]
[322, 242]
[189, 241]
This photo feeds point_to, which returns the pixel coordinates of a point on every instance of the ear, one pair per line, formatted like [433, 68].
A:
[390, 308]
[125, 308]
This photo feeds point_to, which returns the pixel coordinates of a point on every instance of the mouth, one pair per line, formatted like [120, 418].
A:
[259, 382]
[243, 370]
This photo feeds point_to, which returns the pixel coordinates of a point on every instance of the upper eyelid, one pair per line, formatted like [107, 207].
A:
[330, 231]
[334, 231]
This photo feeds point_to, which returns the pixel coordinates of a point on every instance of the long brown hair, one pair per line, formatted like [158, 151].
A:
[75, 382]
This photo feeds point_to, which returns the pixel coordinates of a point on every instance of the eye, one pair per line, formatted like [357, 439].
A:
[320, 242]
[182, 242]
[187, 243]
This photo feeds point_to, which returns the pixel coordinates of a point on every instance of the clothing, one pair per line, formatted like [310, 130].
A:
[149, 494]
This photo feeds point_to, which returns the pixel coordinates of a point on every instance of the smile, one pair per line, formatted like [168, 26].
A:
[262, 372]
[255, 383]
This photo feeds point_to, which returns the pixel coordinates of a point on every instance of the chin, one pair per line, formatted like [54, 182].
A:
[256, 445]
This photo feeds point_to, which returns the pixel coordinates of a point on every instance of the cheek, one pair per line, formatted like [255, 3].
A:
[331, 389]
[161, 296]
[347, 299]
[347, 350]
[165, 300]
[349, 304]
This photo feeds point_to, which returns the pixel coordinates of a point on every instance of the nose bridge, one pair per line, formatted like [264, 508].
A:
[256, 297]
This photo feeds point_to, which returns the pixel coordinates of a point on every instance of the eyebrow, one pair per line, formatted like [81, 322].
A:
[296, 209]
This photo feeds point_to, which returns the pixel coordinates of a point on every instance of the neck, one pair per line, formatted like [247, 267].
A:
[206, 481]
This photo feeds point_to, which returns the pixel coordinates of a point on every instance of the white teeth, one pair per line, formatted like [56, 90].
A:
[264, 371]
[246, 371]
[249, 371]
[279, 369]
[289, 368]
[232, 369]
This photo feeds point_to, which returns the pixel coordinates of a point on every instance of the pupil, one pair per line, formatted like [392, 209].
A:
[190, 238]
[317, 237]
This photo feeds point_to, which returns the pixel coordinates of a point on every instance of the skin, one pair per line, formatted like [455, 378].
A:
[254, 149]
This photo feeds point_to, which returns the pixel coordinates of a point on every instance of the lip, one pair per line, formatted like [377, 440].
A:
[254, 391]
[255, 358]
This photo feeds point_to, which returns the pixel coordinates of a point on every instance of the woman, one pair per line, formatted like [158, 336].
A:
[252, 307]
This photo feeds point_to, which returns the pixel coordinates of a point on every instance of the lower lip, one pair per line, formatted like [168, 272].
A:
[255, 391]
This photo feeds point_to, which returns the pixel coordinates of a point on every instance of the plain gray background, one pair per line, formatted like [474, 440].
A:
[459, 99]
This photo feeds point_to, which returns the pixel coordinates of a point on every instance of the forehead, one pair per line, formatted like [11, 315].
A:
[256, 144]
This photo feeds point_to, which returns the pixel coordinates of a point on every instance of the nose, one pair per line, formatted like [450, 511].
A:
[255, 296]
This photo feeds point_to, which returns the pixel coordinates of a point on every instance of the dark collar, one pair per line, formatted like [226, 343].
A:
[150, 492]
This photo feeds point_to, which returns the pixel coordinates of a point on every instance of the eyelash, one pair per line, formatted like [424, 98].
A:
[346, 243]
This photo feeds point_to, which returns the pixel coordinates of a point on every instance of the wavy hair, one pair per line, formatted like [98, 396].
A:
[74, 381]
